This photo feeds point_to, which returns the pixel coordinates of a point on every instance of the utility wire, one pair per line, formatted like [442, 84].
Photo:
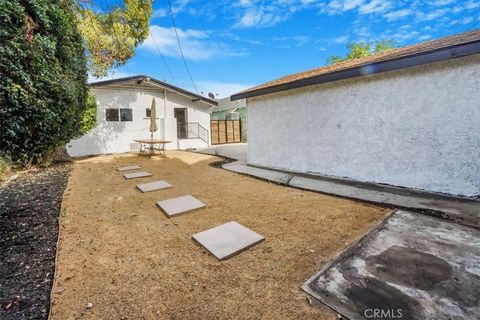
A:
[161, 55]
[153, 39]
[180, 46]
[163, 58]
[452, 27]
[475, 25]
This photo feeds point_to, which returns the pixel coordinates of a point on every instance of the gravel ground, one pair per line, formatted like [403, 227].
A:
[29, 210]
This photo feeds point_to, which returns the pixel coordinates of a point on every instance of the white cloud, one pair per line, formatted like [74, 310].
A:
[338, 6]
[472, 5]
[432, 15]
[439, 3]
[259, 14]
[341, 39]
[255, 42]
[398, 14]
[467, 20]
[160, 12]
[424, 37]
[223, 89]
[181, 6]
[375, 6]
[363, 6]
[295, 40]
[196, 44]
[402, 34]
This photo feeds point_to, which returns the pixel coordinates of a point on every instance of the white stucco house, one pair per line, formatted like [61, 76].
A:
[123, 115]
[409, 117]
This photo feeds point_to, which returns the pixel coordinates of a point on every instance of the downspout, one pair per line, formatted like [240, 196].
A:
[165, 103]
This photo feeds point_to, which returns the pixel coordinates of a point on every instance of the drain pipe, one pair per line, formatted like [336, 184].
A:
[165, 103]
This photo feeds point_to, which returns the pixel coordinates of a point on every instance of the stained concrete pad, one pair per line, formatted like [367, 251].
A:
[411, 266]
[227, 240]
[153, 186]
[180, 205]
[128, 168]
[133, 175]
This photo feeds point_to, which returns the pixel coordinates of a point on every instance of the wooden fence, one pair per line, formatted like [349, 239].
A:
[225, 131]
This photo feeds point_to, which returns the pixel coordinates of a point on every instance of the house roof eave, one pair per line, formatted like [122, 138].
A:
[167, 86]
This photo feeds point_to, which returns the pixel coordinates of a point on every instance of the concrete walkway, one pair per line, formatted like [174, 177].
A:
[463, 211]
[236, 151]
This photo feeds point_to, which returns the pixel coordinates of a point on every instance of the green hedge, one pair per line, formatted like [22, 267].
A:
[43, 78]
[89, 119]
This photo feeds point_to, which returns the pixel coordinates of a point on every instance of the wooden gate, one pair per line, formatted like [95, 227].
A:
[226, 131]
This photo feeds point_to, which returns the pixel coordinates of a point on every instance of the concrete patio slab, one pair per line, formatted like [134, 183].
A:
[180, 205]
[410, 266]
[153, 186]
[128, 168]
[464, 211]
[133, 175]
[227, 240]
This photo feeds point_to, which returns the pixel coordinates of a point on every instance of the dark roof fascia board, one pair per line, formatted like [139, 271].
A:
[161, 83]
[442, 54]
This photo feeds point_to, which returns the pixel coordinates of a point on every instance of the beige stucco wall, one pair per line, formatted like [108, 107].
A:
[416, 128]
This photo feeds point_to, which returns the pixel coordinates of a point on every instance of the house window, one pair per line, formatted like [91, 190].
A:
[126, 115]
[148, 112]
[115, 115]
[112, 115]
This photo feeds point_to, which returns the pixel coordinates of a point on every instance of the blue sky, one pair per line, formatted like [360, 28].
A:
[232, 45]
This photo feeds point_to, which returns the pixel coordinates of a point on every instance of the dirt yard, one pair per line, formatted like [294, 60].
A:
[120, 257]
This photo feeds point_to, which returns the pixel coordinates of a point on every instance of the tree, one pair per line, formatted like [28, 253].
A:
[358, 50]
[89, 118]
[111, 37]
[43, 78]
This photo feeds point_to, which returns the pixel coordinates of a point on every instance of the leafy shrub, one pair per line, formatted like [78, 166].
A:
[43, 78]
[89, 119]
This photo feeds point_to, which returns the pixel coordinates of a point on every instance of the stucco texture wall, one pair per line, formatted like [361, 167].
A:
[417, 128]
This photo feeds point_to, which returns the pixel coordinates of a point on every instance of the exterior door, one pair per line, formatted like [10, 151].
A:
[181, 115]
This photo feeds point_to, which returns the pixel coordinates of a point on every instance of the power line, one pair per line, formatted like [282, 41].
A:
[163, 58]
[453, 26]
[160, 53]
[180, 46]
[475, 25]
[153, 39]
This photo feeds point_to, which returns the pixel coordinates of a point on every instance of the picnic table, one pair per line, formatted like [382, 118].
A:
[149, 146]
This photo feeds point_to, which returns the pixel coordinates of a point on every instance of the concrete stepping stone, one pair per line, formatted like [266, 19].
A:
[180, 205]
[133, 175]
[128, 168]
[228, 239]
[154, 185]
